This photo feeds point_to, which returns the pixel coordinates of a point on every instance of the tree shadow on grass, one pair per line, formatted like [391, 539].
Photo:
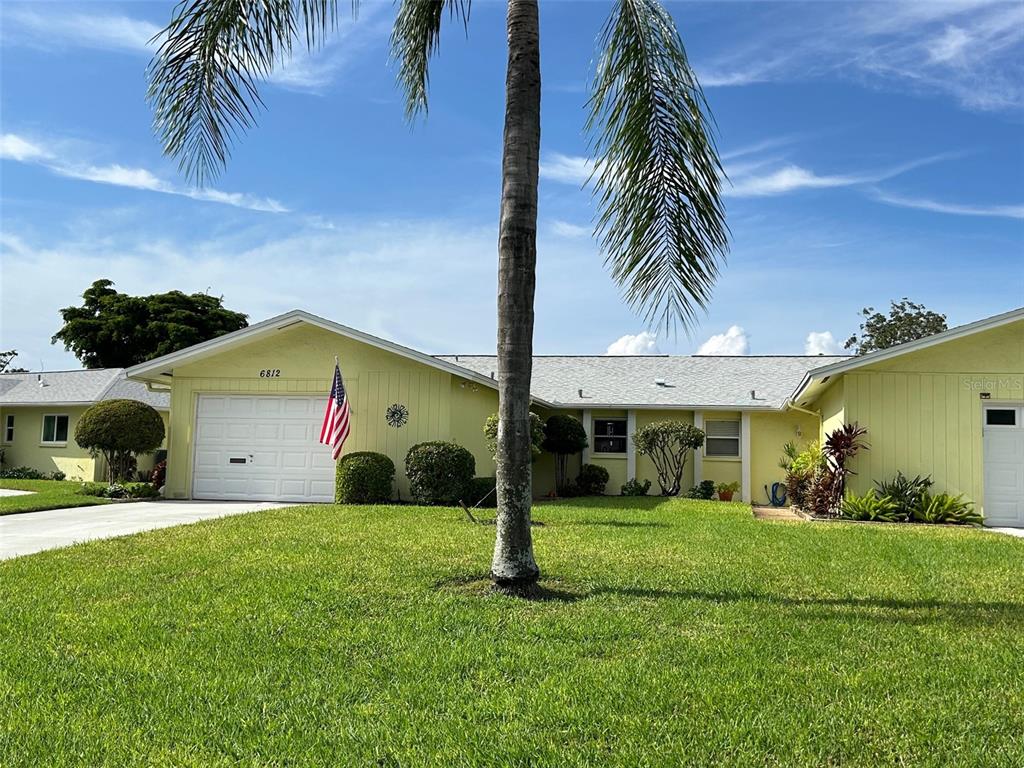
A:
[619, 523]
[886, 609]
[547, 591]
[880, 609]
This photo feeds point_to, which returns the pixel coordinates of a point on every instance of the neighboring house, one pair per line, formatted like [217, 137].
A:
[246, 409]
[950, 406]
[39, 411]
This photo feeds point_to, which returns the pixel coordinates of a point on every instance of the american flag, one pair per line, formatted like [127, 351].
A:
[336, 419]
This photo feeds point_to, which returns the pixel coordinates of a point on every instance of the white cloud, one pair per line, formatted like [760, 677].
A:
[821, 343]
[568, 229]
[733, 342]
[568, 169]
[58, 160]
[643, 343]
[375, 276]
[20, 149]
[57, 28]
[959, 209]
[970, 51]
[792, 178]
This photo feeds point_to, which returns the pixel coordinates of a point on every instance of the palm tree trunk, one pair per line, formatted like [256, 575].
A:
[513, 564]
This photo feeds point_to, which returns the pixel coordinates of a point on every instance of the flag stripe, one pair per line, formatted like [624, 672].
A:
[336, 427]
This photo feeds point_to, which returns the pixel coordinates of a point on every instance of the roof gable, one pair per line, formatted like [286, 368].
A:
[161, 368]
[812, 384]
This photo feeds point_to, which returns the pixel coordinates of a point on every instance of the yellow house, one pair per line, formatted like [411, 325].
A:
[39, 411]
[950, 406]
[246, 409]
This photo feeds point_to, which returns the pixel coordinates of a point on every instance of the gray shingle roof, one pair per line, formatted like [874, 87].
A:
[67, 387]
[697, 381]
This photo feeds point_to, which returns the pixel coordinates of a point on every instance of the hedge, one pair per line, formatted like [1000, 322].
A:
[363, 477]
[439, 472]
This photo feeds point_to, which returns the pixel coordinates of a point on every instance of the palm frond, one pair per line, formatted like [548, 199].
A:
[203, 79]
[661, 222]
[414, 39]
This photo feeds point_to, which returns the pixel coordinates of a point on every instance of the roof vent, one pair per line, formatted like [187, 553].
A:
[581, 394]
[39, 378]
[660, 382]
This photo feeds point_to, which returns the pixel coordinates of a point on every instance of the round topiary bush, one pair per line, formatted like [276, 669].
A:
[439, 472]
[363, 477]
[592, 480]
[120, 430]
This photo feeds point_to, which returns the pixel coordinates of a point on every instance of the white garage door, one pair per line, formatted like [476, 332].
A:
[261, 447]
[1004, 466]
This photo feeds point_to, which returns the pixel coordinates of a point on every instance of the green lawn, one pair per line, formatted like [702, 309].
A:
[673, 633]
[49, 494]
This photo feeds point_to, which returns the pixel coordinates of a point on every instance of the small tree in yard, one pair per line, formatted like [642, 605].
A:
[564, 436]
[668, 444]
[536, 434]
[120, 430]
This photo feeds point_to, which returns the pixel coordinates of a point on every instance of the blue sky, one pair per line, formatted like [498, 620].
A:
[874, 151]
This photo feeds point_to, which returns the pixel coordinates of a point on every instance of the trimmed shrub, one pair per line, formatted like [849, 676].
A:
[483, 492]
[363, 477]
[93, 489]
[634, 487]
[120, 430]
[564, 436]
[439, 472]
[592, 480]
[141, 491]
[704, 490]
[22, 473]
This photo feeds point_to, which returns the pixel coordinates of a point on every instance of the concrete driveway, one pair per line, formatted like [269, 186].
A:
[23, 534]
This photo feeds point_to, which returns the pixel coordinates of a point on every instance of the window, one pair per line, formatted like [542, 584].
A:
[722, 439]
[55, 429]
[9, 428]
[1000, 417]
[610, 435]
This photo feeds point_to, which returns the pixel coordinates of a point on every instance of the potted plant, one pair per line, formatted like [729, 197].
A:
[726, 490]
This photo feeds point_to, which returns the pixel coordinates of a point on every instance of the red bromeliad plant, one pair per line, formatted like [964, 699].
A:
[841, 445]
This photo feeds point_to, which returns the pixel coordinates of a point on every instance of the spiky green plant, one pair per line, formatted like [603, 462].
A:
[944, 508]
[871, 506]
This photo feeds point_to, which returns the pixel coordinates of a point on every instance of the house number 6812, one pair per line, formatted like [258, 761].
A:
[270, 373]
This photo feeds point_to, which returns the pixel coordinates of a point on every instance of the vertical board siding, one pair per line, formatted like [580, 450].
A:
[924, 424]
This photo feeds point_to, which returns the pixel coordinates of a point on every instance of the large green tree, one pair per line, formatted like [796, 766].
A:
[115, 330]
[905, 322]
[657, 176]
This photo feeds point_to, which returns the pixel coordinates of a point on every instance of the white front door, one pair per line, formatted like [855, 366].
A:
[1004, 465]
[261, 447]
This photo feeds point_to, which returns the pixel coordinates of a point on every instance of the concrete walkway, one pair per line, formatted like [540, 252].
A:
[10, 492]
[23, 534]
[1008, 531]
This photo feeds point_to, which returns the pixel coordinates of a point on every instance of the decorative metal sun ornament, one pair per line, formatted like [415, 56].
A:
[396, 415]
